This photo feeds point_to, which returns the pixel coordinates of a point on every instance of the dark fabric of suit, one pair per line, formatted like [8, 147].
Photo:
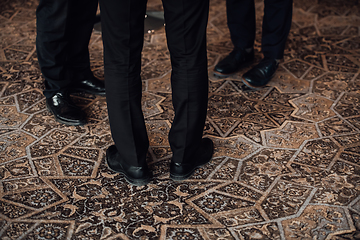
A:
[275, 29]
[123, 32]
[64, 28]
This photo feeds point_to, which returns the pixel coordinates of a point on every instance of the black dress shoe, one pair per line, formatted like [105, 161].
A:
[65, 111]
[91, 85]
[261, 74]
[234, 62]
[182, 171]
[138, 176]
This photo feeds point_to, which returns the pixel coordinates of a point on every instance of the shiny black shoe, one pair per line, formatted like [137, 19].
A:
[233, 63]
[261, 74]
[65, 111]
[137, 176]
[182, 171]
[91, 85]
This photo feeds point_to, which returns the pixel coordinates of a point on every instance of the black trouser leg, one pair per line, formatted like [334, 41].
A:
[83, 15]
[186, 22]
[122, 25]
[241, 22]
[63, 31]
[276, 27]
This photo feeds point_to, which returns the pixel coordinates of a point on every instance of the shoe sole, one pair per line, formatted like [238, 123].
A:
[132, 181]
[75, 90]
[186, 176]
[251, 86]
[222, 75]
[62, 121]
[255, 87]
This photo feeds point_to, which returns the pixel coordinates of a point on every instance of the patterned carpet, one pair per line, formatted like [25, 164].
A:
[286, 165]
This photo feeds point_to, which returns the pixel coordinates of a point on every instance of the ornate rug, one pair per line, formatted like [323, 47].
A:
[287, 158]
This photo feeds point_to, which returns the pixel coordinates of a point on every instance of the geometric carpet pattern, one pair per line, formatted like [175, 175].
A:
[287, 157]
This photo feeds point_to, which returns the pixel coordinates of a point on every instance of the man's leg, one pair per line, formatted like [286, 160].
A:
[275, 30]
[52, 44]
[123, 33]
[81, 20]
[241, 23]
[82, 16]
[64, 28]
[276, 27]
[186, 22]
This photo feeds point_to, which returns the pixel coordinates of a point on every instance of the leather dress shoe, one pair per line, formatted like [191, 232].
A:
[182, 171]
[137, 176]
[92, 85]
[261, 74]
[233, 63]
[64, 110]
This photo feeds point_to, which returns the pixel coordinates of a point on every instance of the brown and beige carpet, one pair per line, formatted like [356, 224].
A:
[287, 158]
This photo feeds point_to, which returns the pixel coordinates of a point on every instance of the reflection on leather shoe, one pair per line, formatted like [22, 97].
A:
[261, 74]
[182, 171]
[138, 176]
[64, 110]
[91, 85]
[233, 62]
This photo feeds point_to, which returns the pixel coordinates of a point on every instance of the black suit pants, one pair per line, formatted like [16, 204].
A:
[64, 28]
[275, 28]
[123, 32]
